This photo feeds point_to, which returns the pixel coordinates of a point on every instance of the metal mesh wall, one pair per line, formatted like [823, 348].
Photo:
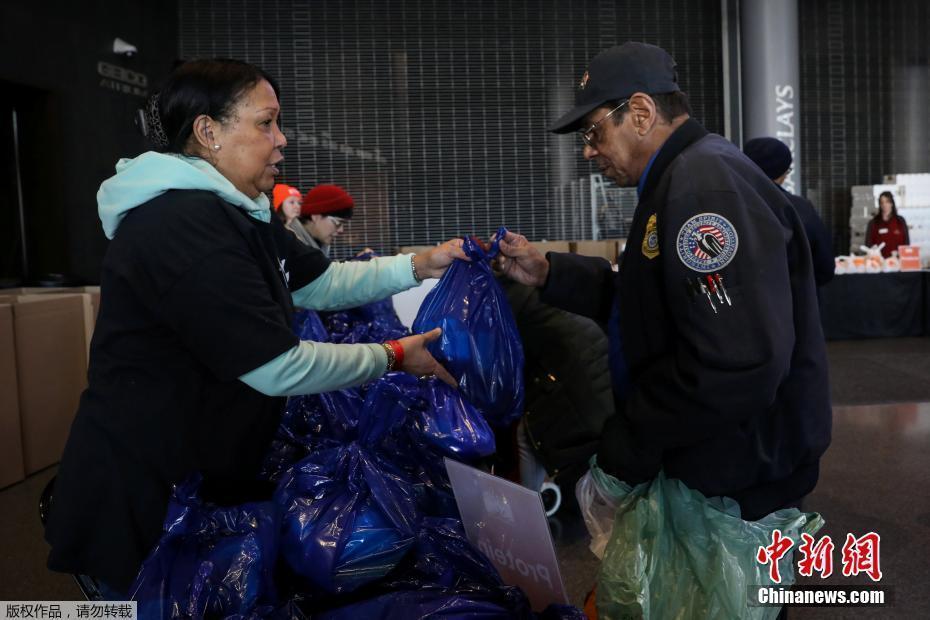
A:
[433, 113]
[862, 62]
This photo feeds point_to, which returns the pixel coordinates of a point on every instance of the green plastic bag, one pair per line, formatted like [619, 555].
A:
[674, 553]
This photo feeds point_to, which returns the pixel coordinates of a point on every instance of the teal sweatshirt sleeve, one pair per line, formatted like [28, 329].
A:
[355, 283]
[315, 367]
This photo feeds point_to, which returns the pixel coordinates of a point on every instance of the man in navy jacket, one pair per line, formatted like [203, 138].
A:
[717, 356]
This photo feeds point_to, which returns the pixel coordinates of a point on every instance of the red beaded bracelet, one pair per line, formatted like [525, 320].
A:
[398, 349]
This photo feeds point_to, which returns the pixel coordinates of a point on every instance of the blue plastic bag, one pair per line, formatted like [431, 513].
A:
[444, 576]
[431, 412]
[416, 605]
[387, 427]
[211, 561]
[374, 322]
[433, 605]
[444, 558]
[414, 423]
[309, 326]
[349, 518]
[330, 415]
[480, 344]
[354, 326]
[312, 421]
[451, 424]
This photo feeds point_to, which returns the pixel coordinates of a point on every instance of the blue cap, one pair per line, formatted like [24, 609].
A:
[617, 73]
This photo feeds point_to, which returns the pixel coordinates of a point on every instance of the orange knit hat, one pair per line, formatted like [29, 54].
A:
[282, 192]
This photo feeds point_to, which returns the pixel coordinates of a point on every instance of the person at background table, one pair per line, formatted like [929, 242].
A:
[774, 158]
[887, 226]
[287, 203]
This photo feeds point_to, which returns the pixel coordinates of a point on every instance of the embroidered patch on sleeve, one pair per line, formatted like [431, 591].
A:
[707, 242]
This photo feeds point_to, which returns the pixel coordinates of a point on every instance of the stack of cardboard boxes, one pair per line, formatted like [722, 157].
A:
[44, 348]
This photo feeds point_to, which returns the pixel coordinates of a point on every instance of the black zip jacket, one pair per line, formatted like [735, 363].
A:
[731, 398]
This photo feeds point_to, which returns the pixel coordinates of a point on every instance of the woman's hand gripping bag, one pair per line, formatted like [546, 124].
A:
[480, 344]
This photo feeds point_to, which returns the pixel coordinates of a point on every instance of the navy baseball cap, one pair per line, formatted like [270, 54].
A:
[617, 73]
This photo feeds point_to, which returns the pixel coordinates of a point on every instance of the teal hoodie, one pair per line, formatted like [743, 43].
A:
[152, 174]
[309, 367]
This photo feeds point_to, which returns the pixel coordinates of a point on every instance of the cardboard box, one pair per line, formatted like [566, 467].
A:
[93, 291]
[90, 300]
[51, 338]
[88, 316]
[11, 444]
[605, 249]
[34, 290]
[553, 246]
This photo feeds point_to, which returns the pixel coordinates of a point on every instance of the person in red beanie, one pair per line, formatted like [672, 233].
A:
[287, 203]
[324, 213]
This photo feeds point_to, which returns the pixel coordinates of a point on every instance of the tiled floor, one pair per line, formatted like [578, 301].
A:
[875, 477]
[23, 575]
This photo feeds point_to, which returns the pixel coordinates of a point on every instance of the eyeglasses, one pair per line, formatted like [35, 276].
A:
[588, 136]
[338, 222]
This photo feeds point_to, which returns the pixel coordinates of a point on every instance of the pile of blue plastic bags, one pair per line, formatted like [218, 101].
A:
[362, 522]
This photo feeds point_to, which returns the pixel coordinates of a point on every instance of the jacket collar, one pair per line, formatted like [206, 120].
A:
[690, 132]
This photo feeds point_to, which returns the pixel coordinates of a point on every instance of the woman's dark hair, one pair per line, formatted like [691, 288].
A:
[894, 208]
[208, 86]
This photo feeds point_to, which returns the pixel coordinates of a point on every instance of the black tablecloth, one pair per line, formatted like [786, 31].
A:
[926, 303]
[879, 305]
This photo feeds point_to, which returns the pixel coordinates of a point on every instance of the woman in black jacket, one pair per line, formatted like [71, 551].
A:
[193, 351]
